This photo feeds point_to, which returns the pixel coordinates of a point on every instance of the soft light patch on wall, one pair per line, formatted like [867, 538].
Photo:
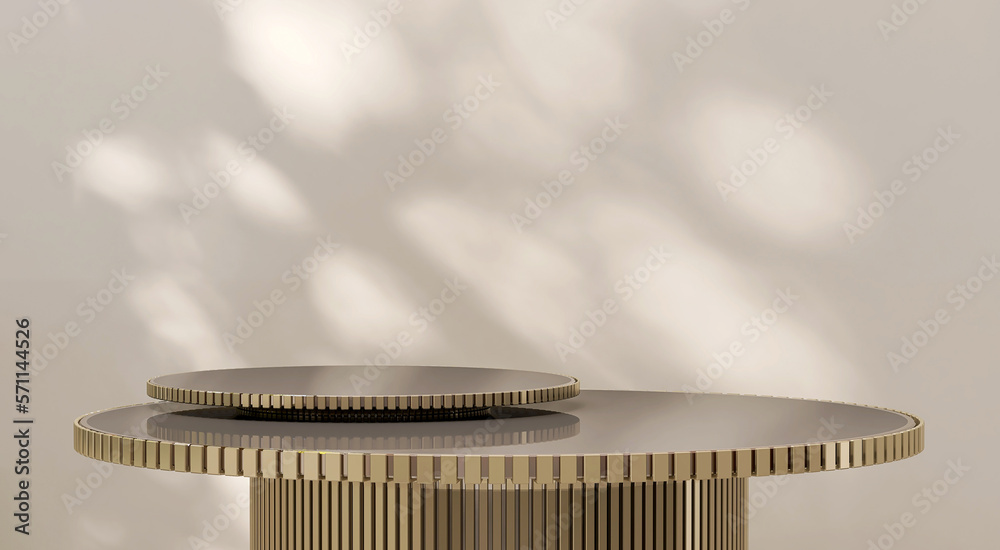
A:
[775, 164]
[295, 57]
[123, 171]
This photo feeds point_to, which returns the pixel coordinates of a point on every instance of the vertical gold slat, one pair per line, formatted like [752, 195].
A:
[615, 507]
[626, 516]
[590, 503]
[266, 515]
[798, 459]
[496, 514]
[680, 512]
[441, 515]
[744, 486]
[579, 516]
[567, 469]
[345, 515]
[536, 535]
[469, 522]
[275, 500]
[567, 516]
[707, 517]
[295, 515]
[260, 540]
[381, 515]
[762, 459]
[856, 453]
[780, 461]
[657, 510]
[276, 509]
[455, 515]
[128, 458]
[730, 492]
[405, 532]
[728, 519]
[550, 517]
[601, 492]
[482, 496]
[668, 505]
[316, 507]
[300, 516]
[510, 524]
[151, 451]
[718, 514]
[701, 492]
[724, 463]
[592, 469]
[734, 492]
[231, 461]
[272, 511]
[254, 523]
[369, 510]
[356, 504]
[277, 489]
[701, 512]
[523, 516]
[283, 518]
[829, 456]
[256, 502]
[268, 489]
[637, 515]
[289, 514]
[416, 519]
[693, 524]
[744, 462]
[647, 511]
[497, 474]
[429, 507]
[724, 520]
[328, 515]
[669, 513]
[703, 465]
[392, 516]
[138, 451]
[682, 466]
[689, 510]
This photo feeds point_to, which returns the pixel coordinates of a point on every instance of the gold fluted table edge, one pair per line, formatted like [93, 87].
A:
[687, 515]
[422, 402]
[690, 500]
[496, 469]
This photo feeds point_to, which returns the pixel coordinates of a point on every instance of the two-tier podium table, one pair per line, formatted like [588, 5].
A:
[448, 458]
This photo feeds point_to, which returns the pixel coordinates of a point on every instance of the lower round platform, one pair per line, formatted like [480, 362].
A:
[688, 515]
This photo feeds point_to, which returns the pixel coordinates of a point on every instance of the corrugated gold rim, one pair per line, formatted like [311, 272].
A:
[493, 469]
[708, 514]
[364, 402]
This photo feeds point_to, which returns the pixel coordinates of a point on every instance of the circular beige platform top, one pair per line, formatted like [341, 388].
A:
[362, 388]
[599, 436]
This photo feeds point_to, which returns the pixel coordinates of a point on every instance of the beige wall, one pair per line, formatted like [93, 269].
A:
[65, 230]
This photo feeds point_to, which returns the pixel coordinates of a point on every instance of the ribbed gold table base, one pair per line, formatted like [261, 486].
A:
[689, 515]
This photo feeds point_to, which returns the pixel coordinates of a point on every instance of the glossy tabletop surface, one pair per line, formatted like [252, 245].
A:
[595, 422]
[597, 436]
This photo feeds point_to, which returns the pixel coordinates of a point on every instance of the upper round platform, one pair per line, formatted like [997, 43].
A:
[362, 388]
[599, 436]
